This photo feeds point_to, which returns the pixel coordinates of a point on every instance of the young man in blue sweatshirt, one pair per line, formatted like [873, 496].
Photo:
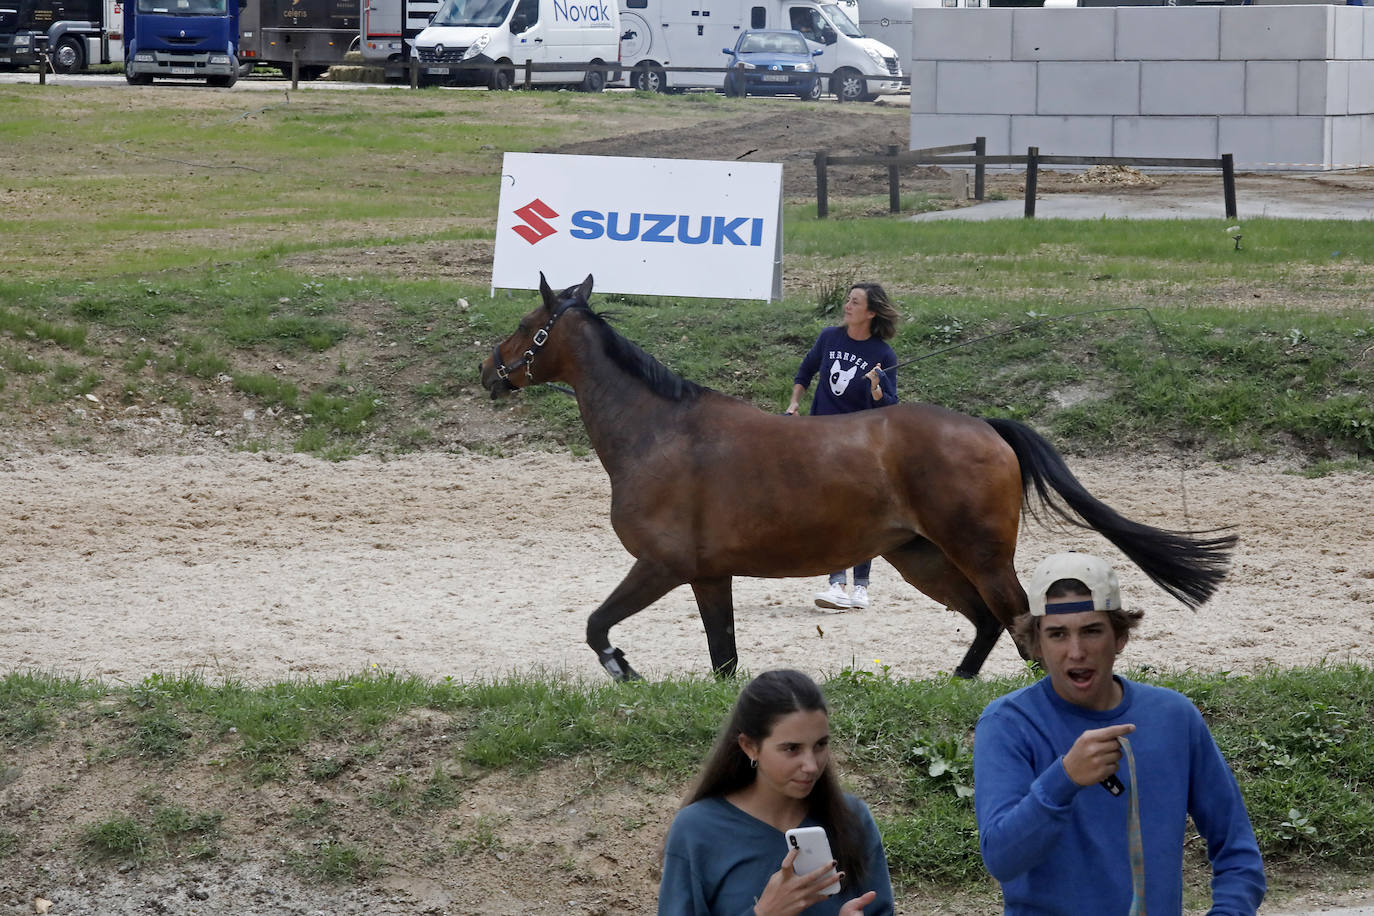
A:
[1065, 824]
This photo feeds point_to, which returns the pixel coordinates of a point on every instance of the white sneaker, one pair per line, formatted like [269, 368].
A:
[834, 597]
[860, 597]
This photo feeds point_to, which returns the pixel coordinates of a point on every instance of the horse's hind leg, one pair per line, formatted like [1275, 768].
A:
[646, 583]
[716, 604]
[923, 565]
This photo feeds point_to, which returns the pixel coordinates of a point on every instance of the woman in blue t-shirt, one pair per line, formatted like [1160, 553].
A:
[861, 373]
[771, 770]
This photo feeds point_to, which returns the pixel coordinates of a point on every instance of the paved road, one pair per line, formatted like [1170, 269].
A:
[1293, 196]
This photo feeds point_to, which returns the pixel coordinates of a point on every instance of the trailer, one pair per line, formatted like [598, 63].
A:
[318, 33]
[75, 34]
[388, 32]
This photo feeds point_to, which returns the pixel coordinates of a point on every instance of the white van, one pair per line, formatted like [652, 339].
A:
[889, 21]
[662, 34]
[485, 41]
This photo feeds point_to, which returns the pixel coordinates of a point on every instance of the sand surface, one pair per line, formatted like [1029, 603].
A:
[277, 567]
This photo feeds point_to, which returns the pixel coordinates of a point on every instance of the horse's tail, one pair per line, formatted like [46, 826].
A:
[1189, 565]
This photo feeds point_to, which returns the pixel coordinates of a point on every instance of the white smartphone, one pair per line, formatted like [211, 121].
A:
[813, 851]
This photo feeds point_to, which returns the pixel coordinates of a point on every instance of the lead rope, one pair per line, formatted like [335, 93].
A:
[1133, 832]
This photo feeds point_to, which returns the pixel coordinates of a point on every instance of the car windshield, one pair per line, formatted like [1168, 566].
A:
[775, 43]
[476, 13]
[840, 19]
[184, 7]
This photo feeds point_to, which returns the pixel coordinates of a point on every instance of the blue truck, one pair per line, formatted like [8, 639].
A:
[181, 39]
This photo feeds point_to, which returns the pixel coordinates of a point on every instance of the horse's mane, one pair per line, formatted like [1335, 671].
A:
[661, 380]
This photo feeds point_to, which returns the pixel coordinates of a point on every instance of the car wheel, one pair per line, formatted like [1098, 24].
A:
[594, 80]
[731, 86]
[650, 78]
[813, 93]
[67, 57]
[848, 85]
[501, 79]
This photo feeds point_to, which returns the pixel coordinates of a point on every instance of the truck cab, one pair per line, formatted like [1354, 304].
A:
[181, 39]
[76, 34]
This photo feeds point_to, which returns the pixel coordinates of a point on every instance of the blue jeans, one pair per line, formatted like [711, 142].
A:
[860, 574]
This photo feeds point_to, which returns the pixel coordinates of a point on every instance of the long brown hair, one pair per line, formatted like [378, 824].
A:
[883, 324]
[762, 702]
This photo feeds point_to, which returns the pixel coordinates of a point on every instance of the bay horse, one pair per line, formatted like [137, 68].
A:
[705, 487]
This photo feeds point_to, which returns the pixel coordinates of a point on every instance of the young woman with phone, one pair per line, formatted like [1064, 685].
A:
[728, 852]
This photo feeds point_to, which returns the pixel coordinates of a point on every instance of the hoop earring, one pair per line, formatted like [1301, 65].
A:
[753, 763]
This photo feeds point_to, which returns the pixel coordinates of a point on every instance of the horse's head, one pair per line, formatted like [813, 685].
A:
[510, 366]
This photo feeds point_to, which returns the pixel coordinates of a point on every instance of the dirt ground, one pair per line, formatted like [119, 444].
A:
[155, 548]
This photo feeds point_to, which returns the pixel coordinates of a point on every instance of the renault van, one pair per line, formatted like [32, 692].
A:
[475, 42]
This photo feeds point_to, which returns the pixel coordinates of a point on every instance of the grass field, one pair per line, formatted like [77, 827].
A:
[318, 260]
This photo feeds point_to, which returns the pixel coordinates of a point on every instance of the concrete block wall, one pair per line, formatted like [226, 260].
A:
[1281, 88]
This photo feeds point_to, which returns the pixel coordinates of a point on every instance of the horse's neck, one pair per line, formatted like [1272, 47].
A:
[625, 420]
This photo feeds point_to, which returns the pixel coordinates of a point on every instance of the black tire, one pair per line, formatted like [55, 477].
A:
[223, 82]
[501, 78]
[138, 79]
[594, 80]
[813, 93]
[69, 56]
[649, 77]
[245, 68]
[733, 87]
[850, 86]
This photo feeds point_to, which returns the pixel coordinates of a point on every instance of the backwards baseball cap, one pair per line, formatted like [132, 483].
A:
[1099, 577]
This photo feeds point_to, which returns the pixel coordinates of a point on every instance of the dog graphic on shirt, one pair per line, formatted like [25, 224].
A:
[840, 379]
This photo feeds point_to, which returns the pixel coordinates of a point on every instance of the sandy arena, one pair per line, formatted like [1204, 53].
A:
[266, 568]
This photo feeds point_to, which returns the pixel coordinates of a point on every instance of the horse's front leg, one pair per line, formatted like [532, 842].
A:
[716, 604]
[646, 583]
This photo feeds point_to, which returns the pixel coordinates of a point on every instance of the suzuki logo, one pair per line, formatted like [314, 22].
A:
[534, 214]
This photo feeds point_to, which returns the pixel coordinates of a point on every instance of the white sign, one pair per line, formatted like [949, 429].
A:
[662, 227]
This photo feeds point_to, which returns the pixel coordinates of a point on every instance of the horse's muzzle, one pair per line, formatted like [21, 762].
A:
[495, 384]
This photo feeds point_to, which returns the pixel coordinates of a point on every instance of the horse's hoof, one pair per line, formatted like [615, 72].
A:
[965, 675]
[614, 662]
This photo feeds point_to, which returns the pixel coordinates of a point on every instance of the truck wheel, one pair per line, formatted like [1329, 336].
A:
[593, 80]
[68, 57]
[138, 79]
[849, 86]
[502, 78]
[649, 78]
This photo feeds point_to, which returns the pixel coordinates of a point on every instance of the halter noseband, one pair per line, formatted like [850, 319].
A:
[541, 337]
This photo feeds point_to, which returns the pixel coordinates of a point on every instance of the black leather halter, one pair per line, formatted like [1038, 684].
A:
[526, 360]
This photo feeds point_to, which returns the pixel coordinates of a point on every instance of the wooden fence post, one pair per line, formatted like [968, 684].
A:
[822, 205]
[295, 68]
[529, 73]
[1228, 183]
[1032, 166]
[894, 190]
[980, 149]
[413, 65]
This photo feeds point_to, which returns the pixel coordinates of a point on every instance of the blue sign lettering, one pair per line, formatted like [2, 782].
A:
[580, 12]
[744, 231]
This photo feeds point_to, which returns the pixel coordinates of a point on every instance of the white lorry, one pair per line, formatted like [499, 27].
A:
[889, 21]
[661, 35]
[484, 41]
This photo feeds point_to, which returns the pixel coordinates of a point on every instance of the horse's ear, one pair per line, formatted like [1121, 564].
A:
[544, 291]
[585, 290]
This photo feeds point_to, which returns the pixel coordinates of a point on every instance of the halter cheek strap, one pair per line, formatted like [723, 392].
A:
[526, 360]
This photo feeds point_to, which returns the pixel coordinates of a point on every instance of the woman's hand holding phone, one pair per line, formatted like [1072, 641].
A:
[788, 893]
